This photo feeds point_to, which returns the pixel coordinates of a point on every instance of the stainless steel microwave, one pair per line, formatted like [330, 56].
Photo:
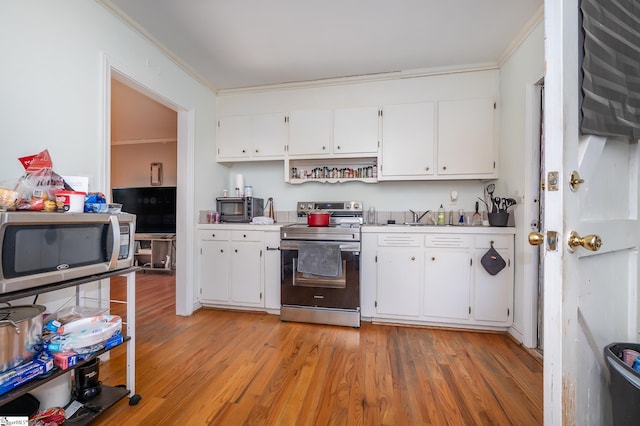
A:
[239, 209]
[38, 248]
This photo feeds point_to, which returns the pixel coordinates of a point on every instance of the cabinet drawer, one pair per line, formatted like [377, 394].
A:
[448, 240]
[246, 235]
[213, 235]
[499, 241]
[403, 240]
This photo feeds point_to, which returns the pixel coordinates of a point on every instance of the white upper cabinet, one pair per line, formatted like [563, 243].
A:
[466, 140]
[252, 137]
[355, 130]
[234, 137]
[269, 135]
[310, 132]
[408, 137]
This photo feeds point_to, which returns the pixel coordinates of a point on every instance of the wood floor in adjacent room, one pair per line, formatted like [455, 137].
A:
[234, 368]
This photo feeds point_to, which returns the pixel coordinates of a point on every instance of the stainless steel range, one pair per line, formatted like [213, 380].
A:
[320, 266]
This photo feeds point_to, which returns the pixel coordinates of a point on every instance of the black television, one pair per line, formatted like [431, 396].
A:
[154, 207]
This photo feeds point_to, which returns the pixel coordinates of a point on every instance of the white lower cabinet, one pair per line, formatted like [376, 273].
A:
[399, 280]
[429, 278]
[493, 294]
[230, 268]
[447, 283]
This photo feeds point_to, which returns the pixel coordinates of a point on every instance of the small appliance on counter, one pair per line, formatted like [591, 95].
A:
[239, 209]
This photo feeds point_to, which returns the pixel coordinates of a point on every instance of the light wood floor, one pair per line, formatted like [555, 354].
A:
[234, 368]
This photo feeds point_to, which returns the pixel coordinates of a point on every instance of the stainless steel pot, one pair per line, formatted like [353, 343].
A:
[20, 331]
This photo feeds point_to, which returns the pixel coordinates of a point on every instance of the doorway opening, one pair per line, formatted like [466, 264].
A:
[144, 170]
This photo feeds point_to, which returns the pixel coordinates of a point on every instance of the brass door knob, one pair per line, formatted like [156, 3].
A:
[536, 238]
[590, 242]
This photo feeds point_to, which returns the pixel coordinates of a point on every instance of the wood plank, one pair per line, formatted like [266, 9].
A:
[228, 367]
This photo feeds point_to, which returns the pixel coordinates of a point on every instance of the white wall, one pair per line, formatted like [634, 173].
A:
[52, 93]
[518, 74]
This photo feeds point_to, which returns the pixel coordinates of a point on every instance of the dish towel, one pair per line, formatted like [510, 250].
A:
[321, 259]
[492, 261]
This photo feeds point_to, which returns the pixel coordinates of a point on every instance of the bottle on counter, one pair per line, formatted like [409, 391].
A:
[441, 215]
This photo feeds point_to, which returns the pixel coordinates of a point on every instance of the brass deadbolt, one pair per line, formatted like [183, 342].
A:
[575, 181]
[536, 238]
[590, 242]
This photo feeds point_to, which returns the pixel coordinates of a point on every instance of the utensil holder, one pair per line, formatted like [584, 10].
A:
[498, 219]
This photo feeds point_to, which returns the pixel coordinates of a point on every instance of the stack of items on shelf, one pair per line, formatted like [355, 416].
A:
[69, 336]
[335, 172]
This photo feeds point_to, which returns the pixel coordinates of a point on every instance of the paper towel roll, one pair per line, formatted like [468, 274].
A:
[239, 185]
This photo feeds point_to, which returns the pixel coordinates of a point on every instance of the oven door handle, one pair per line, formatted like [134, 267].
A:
[295, 245]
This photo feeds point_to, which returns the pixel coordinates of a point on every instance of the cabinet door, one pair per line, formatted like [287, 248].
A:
[310, 132]
[408, 135]
[466, 140]
[234, 137]
[399, 280]
[355, 130]
[447, 283]
[269, 135]
[246, 273]
[272, 269]
[214, 270]
[493, 293]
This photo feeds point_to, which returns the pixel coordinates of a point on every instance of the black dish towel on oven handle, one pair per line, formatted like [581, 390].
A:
[492, 261]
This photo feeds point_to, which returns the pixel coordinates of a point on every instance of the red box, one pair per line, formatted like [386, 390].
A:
[64, 360]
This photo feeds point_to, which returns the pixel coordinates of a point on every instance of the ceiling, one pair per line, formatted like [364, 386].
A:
[230, 44]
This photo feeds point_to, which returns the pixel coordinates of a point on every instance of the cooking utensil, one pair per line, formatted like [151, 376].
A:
[318, 218]
[485, 204]
[488, 196]
[20, 331]
[508, 202]
[496, 203]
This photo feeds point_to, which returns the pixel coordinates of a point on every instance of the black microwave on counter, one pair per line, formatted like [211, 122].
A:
[38, 248]
[239, 209]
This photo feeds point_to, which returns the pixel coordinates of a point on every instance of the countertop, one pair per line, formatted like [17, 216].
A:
[380, 228]
[439, 229]
[242, 226]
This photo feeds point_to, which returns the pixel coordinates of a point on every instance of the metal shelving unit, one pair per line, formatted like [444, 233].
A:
[109, 395]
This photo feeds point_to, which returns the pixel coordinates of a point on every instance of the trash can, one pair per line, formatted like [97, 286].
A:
[625, 385]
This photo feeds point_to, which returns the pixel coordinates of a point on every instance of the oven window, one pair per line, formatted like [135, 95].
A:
[232, 208]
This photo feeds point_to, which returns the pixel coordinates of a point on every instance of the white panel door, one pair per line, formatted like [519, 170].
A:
[590, 298]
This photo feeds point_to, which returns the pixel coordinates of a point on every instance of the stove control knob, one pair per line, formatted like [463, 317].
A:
[356, 206]
[310, 206]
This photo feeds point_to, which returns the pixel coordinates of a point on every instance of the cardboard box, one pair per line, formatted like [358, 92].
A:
[64, 360]
[23, 373]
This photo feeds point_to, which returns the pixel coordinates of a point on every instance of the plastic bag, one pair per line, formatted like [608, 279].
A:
[37, 188]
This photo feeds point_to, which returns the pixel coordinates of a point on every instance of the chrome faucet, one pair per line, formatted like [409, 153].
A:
[417, 218]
